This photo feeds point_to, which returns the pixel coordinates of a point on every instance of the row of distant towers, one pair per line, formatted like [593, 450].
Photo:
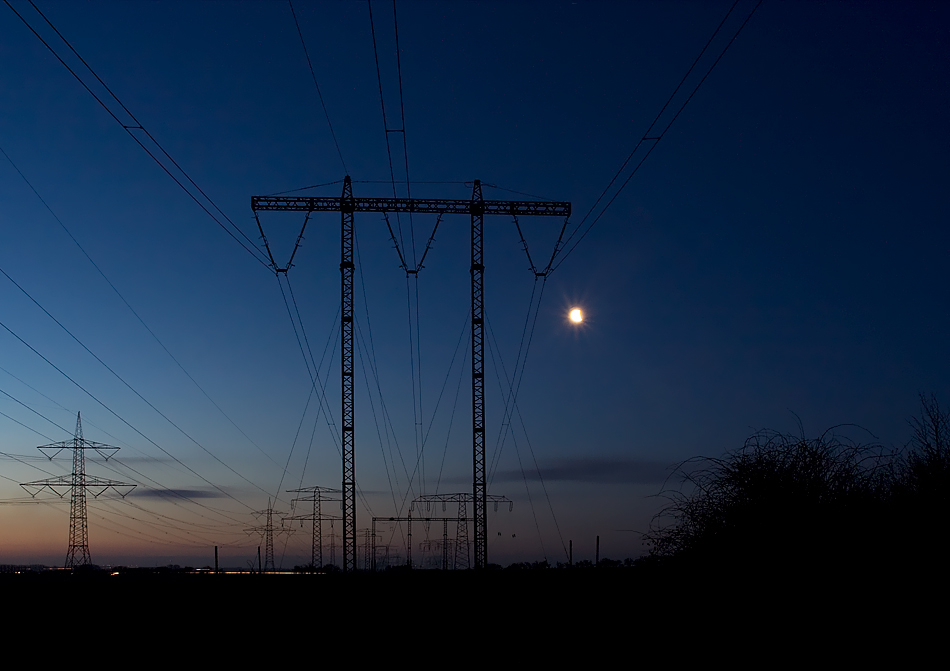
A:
[77, 484]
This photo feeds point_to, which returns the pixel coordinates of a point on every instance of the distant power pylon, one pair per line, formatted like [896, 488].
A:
[77, 483]
[462, 499]
[267, 530]
[317, 495]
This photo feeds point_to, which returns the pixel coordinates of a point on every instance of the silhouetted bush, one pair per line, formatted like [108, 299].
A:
[922, 483]
[780, 500]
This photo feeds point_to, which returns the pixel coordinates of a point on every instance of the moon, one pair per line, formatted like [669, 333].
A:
[577, 316]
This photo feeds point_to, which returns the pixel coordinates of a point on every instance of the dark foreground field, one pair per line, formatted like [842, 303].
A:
[553, 618]
[581, 596]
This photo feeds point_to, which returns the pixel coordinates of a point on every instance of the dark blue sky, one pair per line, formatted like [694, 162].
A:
[780, 254]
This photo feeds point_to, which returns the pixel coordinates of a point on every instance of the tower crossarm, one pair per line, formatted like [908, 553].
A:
[294, 518]
[411, 205]
[62, 484]
[50, 451]
[461, 497]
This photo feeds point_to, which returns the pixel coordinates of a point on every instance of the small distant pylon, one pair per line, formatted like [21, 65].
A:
[462, 547]
[317, 495]
[267, 530]
[77, 483]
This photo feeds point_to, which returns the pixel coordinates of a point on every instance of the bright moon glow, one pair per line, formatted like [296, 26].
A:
[576, 316]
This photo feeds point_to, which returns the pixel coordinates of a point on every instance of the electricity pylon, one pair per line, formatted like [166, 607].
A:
[267, 531]
[77, 483]
[462, 556]
[348, 206]
[317, 496]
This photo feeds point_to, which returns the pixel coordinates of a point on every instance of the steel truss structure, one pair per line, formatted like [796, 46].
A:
[317, 495]
[477, 208]
[267, 531]
[462, 499]
[77, 483]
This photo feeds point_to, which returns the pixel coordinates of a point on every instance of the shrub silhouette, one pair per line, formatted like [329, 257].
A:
[925, 468]
[778, 500]
[921, 497]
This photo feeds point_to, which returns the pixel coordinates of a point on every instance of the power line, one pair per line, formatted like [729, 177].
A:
[141, 475]
[317, 86]
[514, 406]
[136, 125]
[119, 417]
[387, 130]
[131, 309]
[648, 138]
[129, 386]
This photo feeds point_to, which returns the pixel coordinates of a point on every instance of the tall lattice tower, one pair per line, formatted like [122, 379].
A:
[77, 483]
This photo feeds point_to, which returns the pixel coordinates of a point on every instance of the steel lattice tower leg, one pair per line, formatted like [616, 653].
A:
[78, 552]
[332, 544]
[479, 492]
[445, 544]
[462, 558]
[316, 549]
[346, 329]
[269, 540]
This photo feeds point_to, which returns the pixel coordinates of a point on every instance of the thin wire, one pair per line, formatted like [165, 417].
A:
[416, 397]
[314, 379]
[524, 476]
[655, 139]
[519, 365]
[65, 430]
[382, 107]
[317, 86]
[313, 374]
[304, 188]
[35, 412]
[527, 438]
[371, 354]
[121, 419]
[405, 146]
[129, 386]
[252, 250]
[458, 389]
[520, 193]
[129, 306]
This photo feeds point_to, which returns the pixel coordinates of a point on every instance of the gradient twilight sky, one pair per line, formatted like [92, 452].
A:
[781, 253]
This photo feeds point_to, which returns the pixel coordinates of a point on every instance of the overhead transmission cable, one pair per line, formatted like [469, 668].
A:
[370, 353]
[412, 274]
[496, 351]
[458, 389]
[314, 375]
[208, 204]
[129, 386]
[320, 395]
[120, 418]
[560, 255]
[317, 86]
[65, 430]
[131, 309]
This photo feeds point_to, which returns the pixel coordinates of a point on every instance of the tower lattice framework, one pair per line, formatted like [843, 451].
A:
[348, 206]
[77, 554]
